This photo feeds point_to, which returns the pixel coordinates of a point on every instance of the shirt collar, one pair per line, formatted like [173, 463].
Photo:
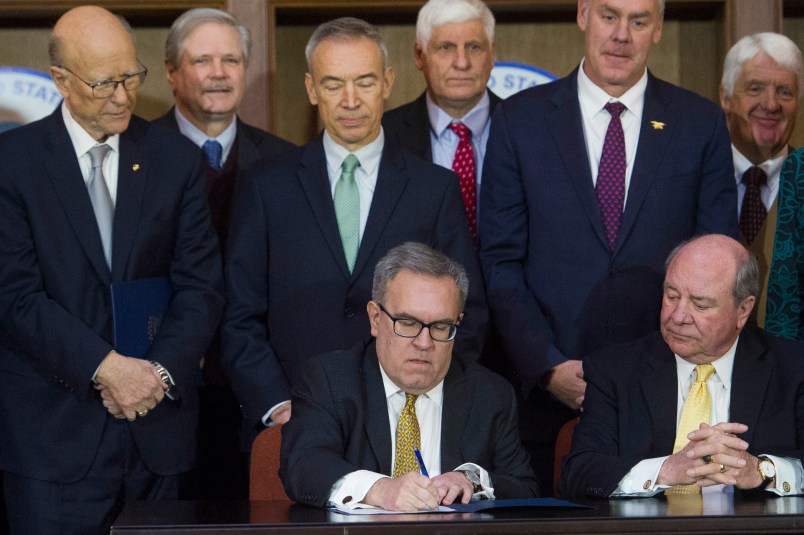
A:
[369, 155]
[593, 98]
[475, 119]
[197, 136]
[436, 394]
[772, 166]
[723, 367]
[80, 138]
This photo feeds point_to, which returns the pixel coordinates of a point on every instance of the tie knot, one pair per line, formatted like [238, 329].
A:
[97, 154]
[214, 152]
[755, 176]
[410, 400]
[350, 163]
[703, 372]
[615, 109]
[461, 130]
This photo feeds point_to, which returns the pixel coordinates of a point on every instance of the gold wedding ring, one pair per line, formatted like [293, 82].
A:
[142, 413]
[722, 468]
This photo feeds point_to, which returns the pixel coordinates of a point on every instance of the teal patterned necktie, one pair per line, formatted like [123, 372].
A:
[347, 209]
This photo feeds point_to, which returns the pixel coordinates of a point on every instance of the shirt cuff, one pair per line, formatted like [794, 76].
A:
[640, 481]
[487, 493]
[350, 490]
[789, 476]
[266, 418]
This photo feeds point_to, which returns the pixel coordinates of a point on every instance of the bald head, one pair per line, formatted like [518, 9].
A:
[89, 45]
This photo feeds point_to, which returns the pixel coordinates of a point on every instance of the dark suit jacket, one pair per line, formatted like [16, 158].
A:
[252, 143]
[55, 304]
[630, 407]
[340, 424]
[290, 295]
[555, 290]
[409, 125]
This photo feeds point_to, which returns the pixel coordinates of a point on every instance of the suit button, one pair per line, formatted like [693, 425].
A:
[349, 312]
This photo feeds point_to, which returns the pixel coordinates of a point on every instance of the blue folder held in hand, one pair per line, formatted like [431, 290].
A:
[138, 307]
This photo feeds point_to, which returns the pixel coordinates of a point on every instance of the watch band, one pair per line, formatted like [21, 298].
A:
[172, 391]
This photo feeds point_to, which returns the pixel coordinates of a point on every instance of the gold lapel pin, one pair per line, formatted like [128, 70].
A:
[135, 167]
[657, 125]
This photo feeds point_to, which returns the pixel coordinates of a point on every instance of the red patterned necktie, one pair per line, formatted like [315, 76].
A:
[610, 186]
[464, 165]
[753, 212]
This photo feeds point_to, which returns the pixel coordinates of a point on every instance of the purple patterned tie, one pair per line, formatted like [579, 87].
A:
[753, 212]
[610, 186]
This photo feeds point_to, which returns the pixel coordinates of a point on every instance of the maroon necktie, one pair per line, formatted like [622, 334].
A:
[464, 165]
[753, 212]
[610, 186]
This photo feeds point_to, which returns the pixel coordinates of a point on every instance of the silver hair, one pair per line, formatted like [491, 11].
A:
[746, 279]
[437, 13]
[780, 48]
[345, 29]
[190, 20]
[661, 7]
[421, 260]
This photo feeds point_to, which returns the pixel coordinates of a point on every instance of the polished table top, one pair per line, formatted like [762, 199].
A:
[720, 513]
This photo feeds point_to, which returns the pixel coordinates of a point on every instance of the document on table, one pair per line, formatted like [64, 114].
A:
[471, 507]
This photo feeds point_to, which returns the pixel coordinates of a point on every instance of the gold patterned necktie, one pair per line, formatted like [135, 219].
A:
[407, 438]
[697, 409]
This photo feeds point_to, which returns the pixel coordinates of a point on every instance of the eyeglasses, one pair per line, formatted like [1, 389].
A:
[411, 328]
[106, 88]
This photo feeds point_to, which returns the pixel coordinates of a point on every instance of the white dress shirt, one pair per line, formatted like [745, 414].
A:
[640, 481]
[197, 136]
[356, 485]
[596, 121]
[772, 167]
[82, 142]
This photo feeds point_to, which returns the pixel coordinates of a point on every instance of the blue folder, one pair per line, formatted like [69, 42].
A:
[138, 307]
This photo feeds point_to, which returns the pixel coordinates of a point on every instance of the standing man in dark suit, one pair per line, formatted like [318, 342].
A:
[312, 224]
[449, 123]
[641, 430]
[760, 91]
[590, 182]
[359, 414]
[206, 56]
[91, 196]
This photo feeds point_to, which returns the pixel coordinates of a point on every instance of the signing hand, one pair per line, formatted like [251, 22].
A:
[451, 485]
[411, 492]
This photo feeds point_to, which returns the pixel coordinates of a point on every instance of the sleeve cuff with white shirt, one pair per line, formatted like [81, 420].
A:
[640, 481]
[789, 476]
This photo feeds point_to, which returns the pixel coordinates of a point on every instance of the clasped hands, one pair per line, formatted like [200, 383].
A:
[415, 492]
[129, 387]
[714, 455]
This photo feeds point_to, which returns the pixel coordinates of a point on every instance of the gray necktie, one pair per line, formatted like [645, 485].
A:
[101, 200]
[347, 209]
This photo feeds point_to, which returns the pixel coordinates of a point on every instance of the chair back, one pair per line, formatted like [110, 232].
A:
[563, 445]
[264, 482]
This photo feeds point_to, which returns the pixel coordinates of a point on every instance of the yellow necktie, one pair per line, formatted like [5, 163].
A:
[407, 438]
[696, 409]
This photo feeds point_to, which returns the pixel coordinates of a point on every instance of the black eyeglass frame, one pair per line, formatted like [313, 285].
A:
[112, 83]
[453, 328]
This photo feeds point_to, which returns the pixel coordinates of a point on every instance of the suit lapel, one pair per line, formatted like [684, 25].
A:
[417, 135]
[391, 182]
[749, 382]
[659, 383]
[377, 424]
[68, 182]
[314, 180]
[247, 149]
[133, 172]
[566, 126]
[458, 390]
[654, 134]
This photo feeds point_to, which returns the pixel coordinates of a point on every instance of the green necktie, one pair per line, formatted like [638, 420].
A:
[407, 438]
[347, 209]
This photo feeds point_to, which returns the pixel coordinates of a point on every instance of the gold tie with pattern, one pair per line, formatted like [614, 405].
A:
[407, 438]
[696, 409]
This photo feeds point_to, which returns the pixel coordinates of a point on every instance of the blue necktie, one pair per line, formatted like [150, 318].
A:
[213, 150]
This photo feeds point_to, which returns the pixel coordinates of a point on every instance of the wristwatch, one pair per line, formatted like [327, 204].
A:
[473, 478]
[767, 470]
[172, 392]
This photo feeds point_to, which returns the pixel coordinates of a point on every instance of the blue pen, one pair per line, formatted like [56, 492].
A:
[422, 468]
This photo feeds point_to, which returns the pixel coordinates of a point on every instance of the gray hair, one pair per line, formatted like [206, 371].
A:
[421, 260]
[661, 7]
[780, 48]
[746, 279]
[190, 20]
[345, 29]
[437, 13]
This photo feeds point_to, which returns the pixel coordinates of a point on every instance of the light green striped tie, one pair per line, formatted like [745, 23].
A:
[347, 209]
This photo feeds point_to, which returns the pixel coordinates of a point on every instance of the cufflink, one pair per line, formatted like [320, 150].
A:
[786, 486]
[347, 499]
[647, 485]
